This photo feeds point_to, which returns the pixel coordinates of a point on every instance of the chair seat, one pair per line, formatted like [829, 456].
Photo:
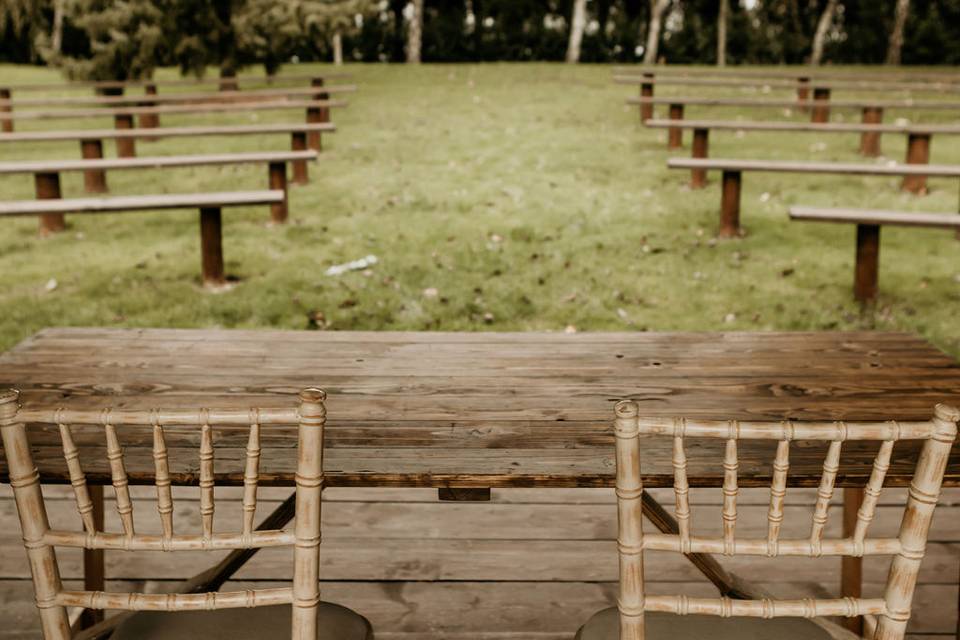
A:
[665, 626]
[260, 623]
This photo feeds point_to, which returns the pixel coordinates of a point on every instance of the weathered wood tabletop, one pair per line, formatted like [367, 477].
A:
[482, 409]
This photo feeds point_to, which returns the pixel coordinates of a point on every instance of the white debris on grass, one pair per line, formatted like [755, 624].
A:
[355, 265]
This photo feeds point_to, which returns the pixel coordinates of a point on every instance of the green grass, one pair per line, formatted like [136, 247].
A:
[528, 196]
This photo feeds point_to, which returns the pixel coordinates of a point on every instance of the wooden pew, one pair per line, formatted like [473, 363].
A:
[91, 141]
[210, 205]
[872, 109]
[733, 170]
[919, 137]
[47, 174]
[869, 222]
[316, 110]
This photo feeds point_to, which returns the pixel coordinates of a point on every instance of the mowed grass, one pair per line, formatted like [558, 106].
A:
[497, 197]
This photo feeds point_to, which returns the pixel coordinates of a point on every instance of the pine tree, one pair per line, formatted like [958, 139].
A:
[124, 39]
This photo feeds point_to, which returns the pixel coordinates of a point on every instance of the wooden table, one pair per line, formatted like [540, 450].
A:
[486, 410]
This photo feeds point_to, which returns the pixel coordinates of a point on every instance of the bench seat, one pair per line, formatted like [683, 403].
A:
[209, 204]
[814, 127]
[914, 176]
[869, 221]
[115, 204]
[875, 217]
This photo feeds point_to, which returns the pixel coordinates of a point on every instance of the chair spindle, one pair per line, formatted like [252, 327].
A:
[118, 475]
[681, 490]
[206, 475]
[730, 491]
[77, 478]
[831, 465]
[871, 494]
[161, 464]
[778, 491]
[251, 474]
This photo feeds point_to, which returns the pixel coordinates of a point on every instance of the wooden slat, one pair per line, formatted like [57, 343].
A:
[167, 132]
[103, 112]
[872, 216]
[155, 162]
[180, 82]
[811, 127]
[210, 96]
[768, 103]
[140, 203]
[840, 168]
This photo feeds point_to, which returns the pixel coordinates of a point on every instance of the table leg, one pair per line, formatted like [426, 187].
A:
[94, 575]
[851, 569]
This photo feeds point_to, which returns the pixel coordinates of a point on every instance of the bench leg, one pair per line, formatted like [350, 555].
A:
[94, 180]
[675, 135]
[94, 574]
[149, 120]
[646, 108]
[317, 114]
[6, 108]
[48, 188]
[803, 93]
[298, 142]
[918, 152]
[868, 261]
[701, 147]
[821, 105]
[126, 147]
[211, 247]
[851, 569]
[278, 182]
[730, 205]
[870, 140]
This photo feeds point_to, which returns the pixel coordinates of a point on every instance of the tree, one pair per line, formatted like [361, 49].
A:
[330, 20]
[415, 31]
[578, 23]
[823, 26]
[657, 9]
[722, 20]
[896, 35]
[124, 40]
[23, 26]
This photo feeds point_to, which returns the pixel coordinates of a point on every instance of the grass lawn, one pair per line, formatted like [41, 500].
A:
[496, 197]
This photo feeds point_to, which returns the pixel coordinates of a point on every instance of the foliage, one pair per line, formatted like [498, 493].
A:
[124, 39]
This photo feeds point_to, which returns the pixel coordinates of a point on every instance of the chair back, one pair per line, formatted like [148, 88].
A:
[907, 549]
[41, 540]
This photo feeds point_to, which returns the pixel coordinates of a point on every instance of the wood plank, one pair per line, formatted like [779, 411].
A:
[114, 204]
[874, 217]
[167, 132]
[103, 112]
[208, 96]
[155, 162]
[839, 168]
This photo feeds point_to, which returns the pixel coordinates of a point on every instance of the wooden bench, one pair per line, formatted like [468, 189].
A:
[799, 73]
[210, 205]
[91, 141]
[47, 175]
[919, 137]
[820, 112]
[317, 111]
[733, 169]
[868, 221]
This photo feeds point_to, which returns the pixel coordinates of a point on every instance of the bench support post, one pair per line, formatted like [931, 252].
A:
[701, 148]
[126, 147]
[870, 140]
[298, 142]
[866, 271]
[918, 152]
[48, 188]
[149, 120]
[646, 91]
[317, 114]
[803, 92]
[851, 569]
[94, 180]
[211, 247]
[730, 205]
[675, 134]
[821, 105]
[278, 182]
[6, 108]
[94, 574]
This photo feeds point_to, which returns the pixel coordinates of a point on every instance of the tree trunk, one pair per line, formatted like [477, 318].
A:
[657, 9]
[56, 36]
[722, 20]
[415, 33]
[577, 24]
[823, 26]
[896, 36]
[338, 48]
